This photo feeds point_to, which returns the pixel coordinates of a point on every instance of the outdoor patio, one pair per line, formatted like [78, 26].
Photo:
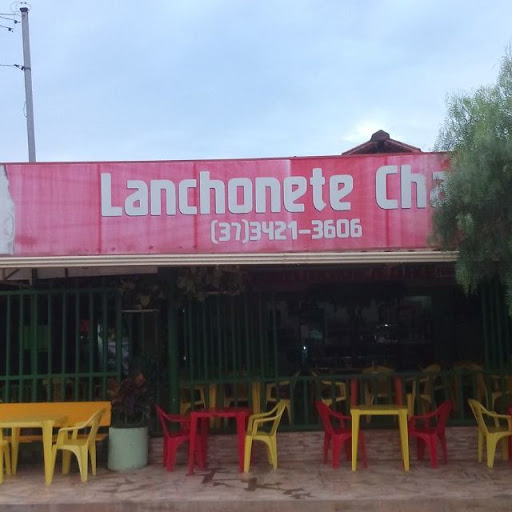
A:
[301, 482]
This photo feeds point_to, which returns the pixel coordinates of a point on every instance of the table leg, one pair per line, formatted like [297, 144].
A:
[192, 443]
[240, 432]
[212, 402]
[15, 442]
[47, 451]
[355, 437]
[404, 438]
[204, 427]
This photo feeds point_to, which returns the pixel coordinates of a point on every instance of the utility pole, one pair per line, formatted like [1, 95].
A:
[27, 70]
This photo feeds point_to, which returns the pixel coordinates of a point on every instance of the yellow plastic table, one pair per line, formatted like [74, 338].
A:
[380, 410]
[46, 422]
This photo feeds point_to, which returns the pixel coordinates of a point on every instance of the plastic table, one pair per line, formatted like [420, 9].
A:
[199, 422]
[380, 410]
[46, 422]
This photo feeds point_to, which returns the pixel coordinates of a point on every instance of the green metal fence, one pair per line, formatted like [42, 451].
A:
[65, 344]
[60, 344]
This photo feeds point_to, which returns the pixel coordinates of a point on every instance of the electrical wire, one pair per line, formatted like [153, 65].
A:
[4, 17]
[13, 66]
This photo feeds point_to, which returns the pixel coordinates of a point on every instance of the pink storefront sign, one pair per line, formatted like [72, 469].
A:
[220, 206]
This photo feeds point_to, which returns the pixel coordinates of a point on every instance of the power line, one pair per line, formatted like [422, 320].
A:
[13, 66]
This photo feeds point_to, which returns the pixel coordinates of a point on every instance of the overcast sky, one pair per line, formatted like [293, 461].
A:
[201, 79]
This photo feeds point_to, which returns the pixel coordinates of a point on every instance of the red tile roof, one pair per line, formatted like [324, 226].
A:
[381, 142]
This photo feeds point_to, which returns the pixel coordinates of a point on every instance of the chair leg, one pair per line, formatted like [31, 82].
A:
[420, 444]
[54, 459]
[247, 454]
[269, 452]
[491, 452]
[164, 455]
[83, 463]
[273, 452]
[92, 456]
[289, 412]
[480, 445]
[336, 449]
[442, 439]
[432, 446]
[66, 461]
[200, 455]
[2, 448]
[348, 449]
[7, 458]
[327, 441]
[171, 457]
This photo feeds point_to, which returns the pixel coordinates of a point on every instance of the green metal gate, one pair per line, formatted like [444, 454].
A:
[61, 344]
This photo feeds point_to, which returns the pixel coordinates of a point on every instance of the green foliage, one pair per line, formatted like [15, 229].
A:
[474, 214]
[131, 401]
[199, 282]
[141, 292]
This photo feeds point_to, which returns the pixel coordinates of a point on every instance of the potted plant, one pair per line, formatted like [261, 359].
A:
[128, 435]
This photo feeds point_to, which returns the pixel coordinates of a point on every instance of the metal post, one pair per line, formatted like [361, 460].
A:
[27, 70]
[172, 347]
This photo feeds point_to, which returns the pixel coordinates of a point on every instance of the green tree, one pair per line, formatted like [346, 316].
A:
[474, 213]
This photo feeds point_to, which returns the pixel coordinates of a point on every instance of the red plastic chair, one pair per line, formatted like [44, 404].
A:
[338, 431]
[174, 438]
[428, 429]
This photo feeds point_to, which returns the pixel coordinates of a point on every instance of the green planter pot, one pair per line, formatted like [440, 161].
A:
[127, 448]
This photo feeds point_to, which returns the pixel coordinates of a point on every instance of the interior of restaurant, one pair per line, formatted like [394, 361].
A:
[348, 325]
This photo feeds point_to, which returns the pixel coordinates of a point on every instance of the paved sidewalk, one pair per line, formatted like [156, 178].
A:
[297, 485]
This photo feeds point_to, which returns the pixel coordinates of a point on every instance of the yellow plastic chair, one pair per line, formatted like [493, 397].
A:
[425, 389]
[492, 428]
[471, 376]
[499, 385]
[281, 391]
[83, 446]
[378, 385]
[263, 427]
[5, 457]
[331, 391]
[192, 398]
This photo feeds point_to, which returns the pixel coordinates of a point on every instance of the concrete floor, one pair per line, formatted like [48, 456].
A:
[300, 483]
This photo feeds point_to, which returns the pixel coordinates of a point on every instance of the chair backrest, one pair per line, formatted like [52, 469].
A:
[192, 397]
[279, 409]
[378, 385]
[474, 371]
[479, 411]
[443, 412]
[336, 388]
[94, 423]
[238, 391]
[432, 381]
[166, 419]
[274, 415]
[327, 415]
[281, 388]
